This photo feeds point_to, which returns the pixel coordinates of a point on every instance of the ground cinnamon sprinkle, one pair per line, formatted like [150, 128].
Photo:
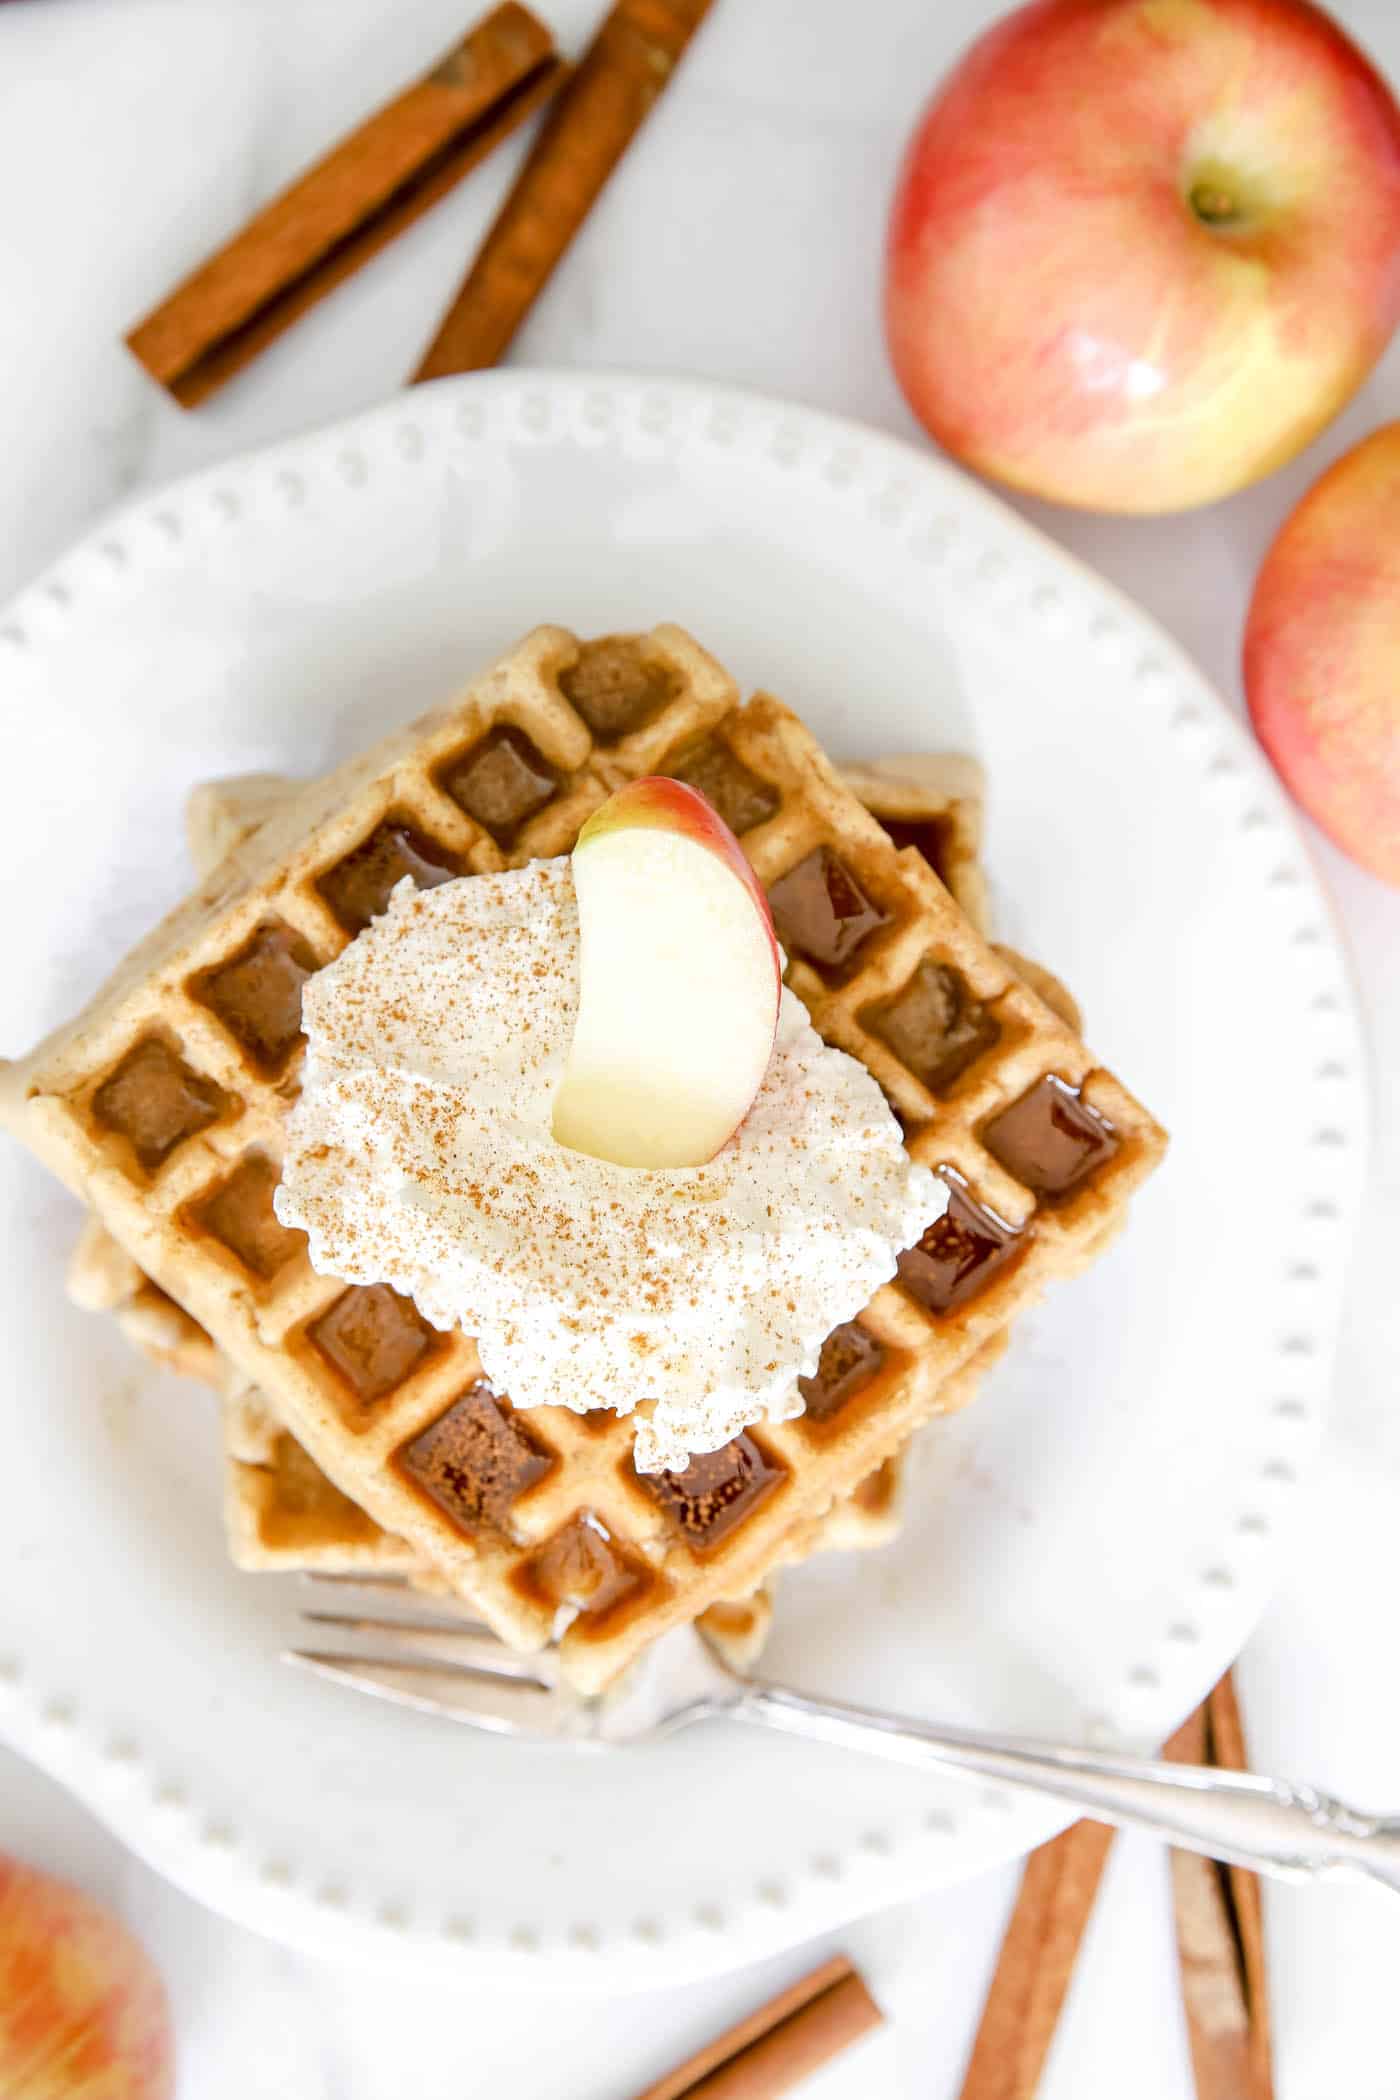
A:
[445, 1180]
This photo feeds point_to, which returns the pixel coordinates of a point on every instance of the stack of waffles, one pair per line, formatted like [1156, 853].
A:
[361, 1436]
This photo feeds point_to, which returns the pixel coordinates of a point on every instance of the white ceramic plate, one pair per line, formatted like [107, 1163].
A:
[1088, 1546]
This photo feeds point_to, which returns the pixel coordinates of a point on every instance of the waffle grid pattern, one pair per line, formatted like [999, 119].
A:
[360, 1384]
[282, 1513]
[933, 801]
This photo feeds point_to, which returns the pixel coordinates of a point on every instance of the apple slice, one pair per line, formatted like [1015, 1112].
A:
[679, 981]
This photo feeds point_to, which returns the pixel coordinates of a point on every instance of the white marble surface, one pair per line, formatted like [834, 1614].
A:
[742, 241]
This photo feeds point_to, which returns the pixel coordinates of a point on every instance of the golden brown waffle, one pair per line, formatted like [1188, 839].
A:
[284, 1516]
[281, 1510]
[220, 814]
[935, 802]
[932, 801]
[102, 1277]
[282, 1513]
[162, 1106]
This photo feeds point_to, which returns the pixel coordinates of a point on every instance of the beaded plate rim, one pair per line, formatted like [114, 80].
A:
[941, 518]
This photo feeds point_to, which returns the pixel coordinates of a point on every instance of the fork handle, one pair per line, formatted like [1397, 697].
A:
[1295, 1833]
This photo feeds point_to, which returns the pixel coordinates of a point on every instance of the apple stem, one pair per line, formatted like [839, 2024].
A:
[1213, 205]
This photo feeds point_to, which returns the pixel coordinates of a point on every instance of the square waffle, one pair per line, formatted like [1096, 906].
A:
[932, 801]
[161, 1106]
[282, 1513]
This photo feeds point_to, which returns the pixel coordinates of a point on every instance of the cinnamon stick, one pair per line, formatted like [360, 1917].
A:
[1220, 1939]
[1220, 1931]
[349, 205]
[585, 136]
[1037, 1958]
[782, 2043]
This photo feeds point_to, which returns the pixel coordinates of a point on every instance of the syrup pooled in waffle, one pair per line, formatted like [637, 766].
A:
[162, 1106]
[932, 801]
[282, 1513]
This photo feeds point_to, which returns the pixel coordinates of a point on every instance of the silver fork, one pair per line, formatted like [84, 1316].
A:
[457, 1668]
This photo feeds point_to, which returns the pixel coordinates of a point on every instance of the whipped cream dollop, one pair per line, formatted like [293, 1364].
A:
[420, 1154]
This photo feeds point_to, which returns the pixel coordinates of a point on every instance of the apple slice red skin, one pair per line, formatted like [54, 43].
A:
[663, 807]
[670, 805]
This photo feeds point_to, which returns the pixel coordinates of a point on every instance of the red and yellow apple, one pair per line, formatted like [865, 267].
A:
[1143, 250]
[1322, 653]
[679, 981]
[83, 2013]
